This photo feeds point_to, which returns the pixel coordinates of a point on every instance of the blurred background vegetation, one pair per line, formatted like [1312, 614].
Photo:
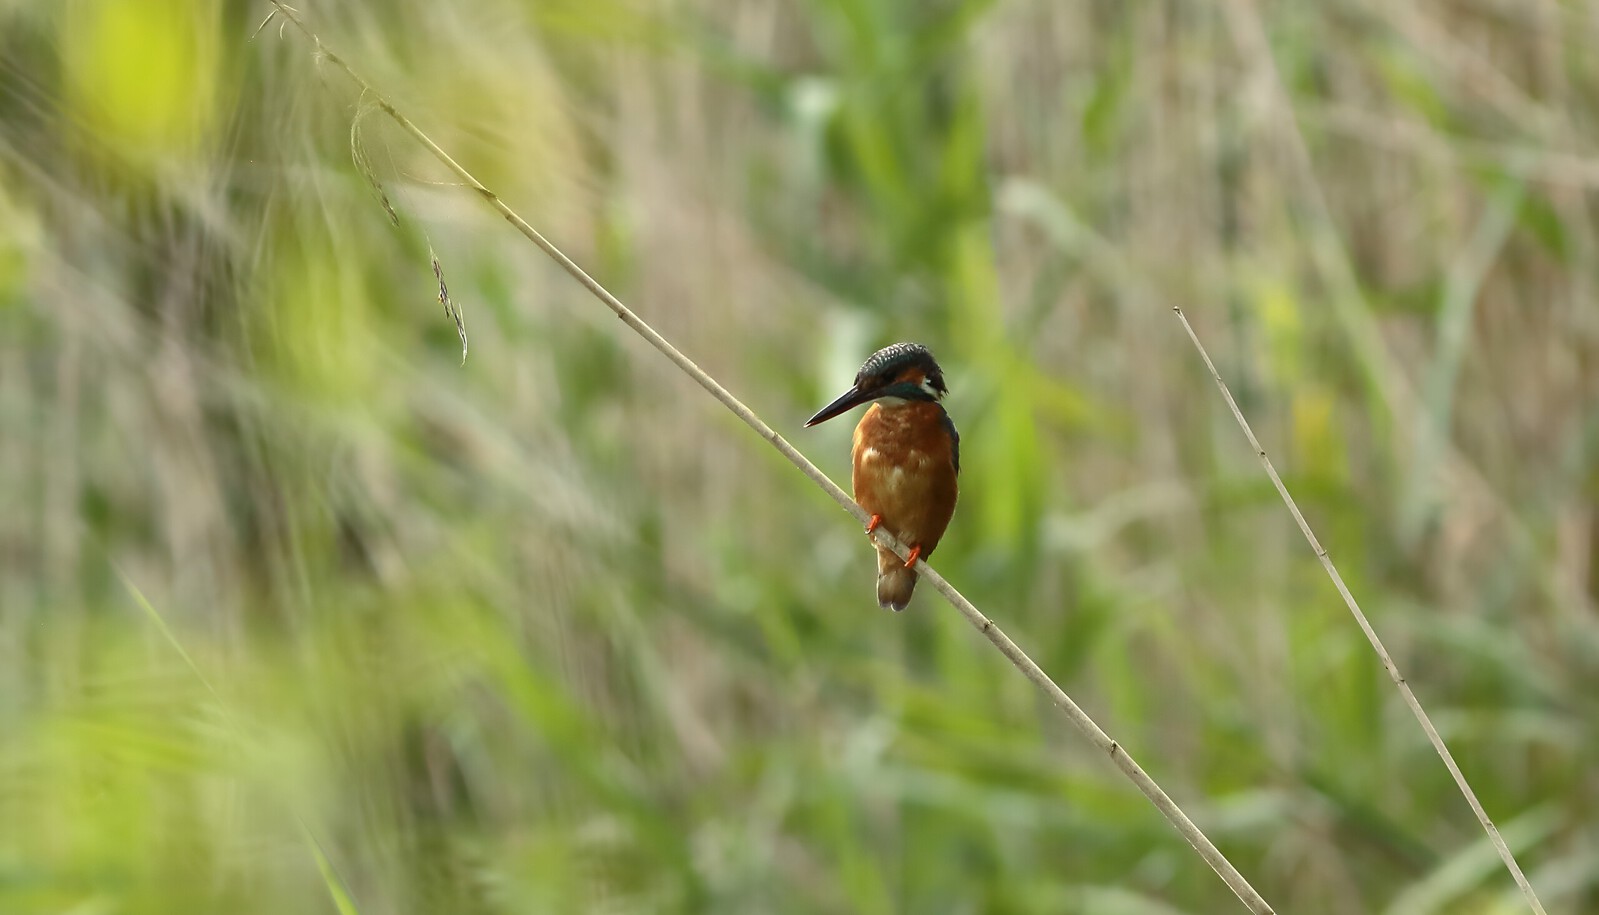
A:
[551, 632]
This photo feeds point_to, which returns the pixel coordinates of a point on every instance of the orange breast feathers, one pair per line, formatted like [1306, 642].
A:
[904, 466]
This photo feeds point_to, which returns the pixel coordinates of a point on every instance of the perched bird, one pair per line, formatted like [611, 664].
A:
[905, 458]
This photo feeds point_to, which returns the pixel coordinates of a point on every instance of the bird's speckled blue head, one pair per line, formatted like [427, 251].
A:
[887, 366]
[904, 371]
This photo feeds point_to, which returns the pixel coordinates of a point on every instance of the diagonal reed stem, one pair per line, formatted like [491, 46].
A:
[1135, 773]
[1366, 627]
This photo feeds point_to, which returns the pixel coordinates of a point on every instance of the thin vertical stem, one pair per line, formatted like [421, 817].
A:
[1366, 627]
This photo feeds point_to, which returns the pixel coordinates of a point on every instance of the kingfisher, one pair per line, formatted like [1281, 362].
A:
[905, 458]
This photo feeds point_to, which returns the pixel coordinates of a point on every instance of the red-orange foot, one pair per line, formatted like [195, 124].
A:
[874, 524]
[916, 553]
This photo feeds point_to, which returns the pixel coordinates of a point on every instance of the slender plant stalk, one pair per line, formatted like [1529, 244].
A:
[338, 888]
[1366, 627]
[1135, 773]
[1251, 34]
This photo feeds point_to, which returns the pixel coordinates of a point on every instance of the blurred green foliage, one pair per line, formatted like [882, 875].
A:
[299, 614]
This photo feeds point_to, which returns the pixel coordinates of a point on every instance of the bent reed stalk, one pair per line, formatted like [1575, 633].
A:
[982, 623]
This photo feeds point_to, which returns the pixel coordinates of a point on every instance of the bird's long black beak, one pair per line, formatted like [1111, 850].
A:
[850, 399]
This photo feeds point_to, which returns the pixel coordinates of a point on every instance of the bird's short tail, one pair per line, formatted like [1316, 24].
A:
[894, 582]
